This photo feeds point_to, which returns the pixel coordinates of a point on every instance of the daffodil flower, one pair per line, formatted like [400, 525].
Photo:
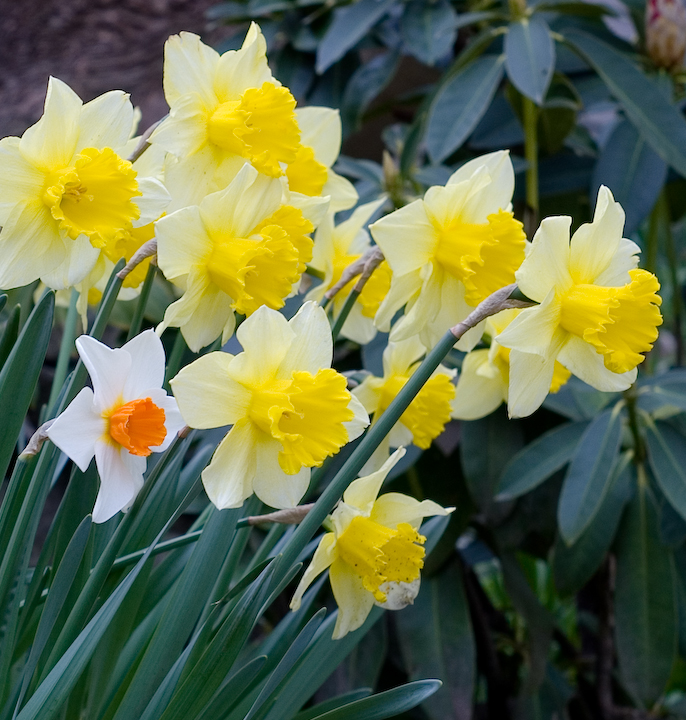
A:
[598, 312]
[125, 417]
[224, 110]
[485, 375]
[451, 250]
[374, 554]
[320, 144]
[65, 192]
[289, 409]
[241, 248]
[335, 248]
[427, 414]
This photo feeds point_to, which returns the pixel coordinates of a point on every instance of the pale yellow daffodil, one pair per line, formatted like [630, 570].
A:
[335, 248]
[374, 554]
[224, 110]
[598, 312]
[65, 192]
[429, 411]
[289, 409]
[320, 144]
[485, 375]
[241, 248]
[451, 250]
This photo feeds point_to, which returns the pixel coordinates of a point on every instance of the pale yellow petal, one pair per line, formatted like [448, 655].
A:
[106, 121]
[320, 129]
[477, 395]
[20, 181]
[341, 192]
[207, 395]
[360, 421]
[184, 132]
[617, 272]
[348, 238]
[311, 348]
[228, 479]
[189, 67]
[497, 195]
[368, 393]
[404, 288]
[392, 509]
[450, 204]
[239, 70]
[181, 311]
[79, 262]
[354, 602]
[534, 329]
[271, 484]
[209, 319]
[582, 360]
[362, 493]
[182, 242]
[323, 556]
[357, 327]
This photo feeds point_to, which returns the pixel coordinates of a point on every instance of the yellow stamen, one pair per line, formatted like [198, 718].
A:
[305, 174]
[379, 554]
[484, 256]
[306, 415]
[619, 322]
[94, 196]
[261, 127]
[138, 425]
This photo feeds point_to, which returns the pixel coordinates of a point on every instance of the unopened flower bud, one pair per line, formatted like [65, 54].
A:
[666, 32]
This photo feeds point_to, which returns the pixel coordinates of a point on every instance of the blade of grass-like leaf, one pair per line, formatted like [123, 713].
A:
[333, 704]
[10, 335]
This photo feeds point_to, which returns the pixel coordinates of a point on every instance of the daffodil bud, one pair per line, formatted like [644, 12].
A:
[666, 32]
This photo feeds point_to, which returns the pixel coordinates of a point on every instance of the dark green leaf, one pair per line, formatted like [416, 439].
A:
[588, 477]
[340, 701]
[530, 57]
[645, 609]
[429, 30]
[460, 103]
[540, 459]
[350, 24]
[10, 334]
[667, 455]
[660, 123]
[583, 9]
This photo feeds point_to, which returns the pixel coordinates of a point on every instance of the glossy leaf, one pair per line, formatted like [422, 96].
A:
[530, 57]
[667, 454]
[429, 30]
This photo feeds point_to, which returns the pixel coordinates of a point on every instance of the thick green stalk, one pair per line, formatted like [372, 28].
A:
[138, 314]
[530, 112]
[66, 348]
[340, 320]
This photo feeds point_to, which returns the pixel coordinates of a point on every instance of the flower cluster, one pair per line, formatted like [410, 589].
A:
[237, 190]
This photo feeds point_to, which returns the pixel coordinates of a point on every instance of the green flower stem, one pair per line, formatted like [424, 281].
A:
[137, 319]
[325, 301]
[165, 546]
[66, 348]
[175, 357]
[340, 320]
[531, 153]
[498, 301]
[677, 303]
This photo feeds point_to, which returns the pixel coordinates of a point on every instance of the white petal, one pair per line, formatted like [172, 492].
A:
[80, 260]
[211, 316]
[78, 428]
[109, 370]
[147, 364]
[530, 378]
[153, 202]
[173, 421]
[581, 359]
[358, 327]
[228, 479]
[356, 426]
[121, 477]
[353, 600]
[477, 395]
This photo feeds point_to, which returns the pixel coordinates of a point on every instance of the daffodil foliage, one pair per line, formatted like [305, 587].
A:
[273, 436]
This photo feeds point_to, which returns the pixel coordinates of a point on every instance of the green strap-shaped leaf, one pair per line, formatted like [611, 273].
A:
[540, 459]
[660, 123]
[11, 333]
[386, 704]
[530, 57]
[429, 29]
[333, 703]
[667, 456]
[460, 103]
[588, 477]
[645, 606]
[350, 24]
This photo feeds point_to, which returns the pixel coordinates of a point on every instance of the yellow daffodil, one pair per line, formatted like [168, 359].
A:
[598, 312]
[428, 412]
[336, 247]
[289, 409]
[374, 554]
[65, 192]
[224, 110]
[451, 250]
[241, 248]
[485, 376]
[310, 173]
[125, 417]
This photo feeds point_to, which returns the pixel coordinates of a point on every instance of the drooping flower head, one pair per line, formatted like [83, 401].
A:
[485, 375]
[451, 250]
[224, 110]
[289, 409]
[374, 554]
[427, 414]
[241, 248]
[65, 191]
[121, 421]
[335, 248]
[598, 312]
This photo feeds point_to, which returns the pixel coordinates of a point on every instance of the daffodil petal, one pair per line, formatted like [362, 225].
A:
[534, 329]
[211, 315]
[19, 178]
[147, 358]
[153, 202]
[617, 272]
[362, 493]
[477, 395]
[320, 129]
[93, 132]
[380, 455]
[312, 346]
[109, 370]
[403, 289]
[228, 479]
[341, 191]
[182, 241]
[272, 485]
[356, 426]
[183, 133]
[50, 143]
[580, 358]
[238, 70]
[353, 600]
[497, 194]
[173, 421]
[357, 327]
[121, 477]
[78, 428]
[79, 262]
[189, 66]
[323, 556]
[392, 509]
[206, 393]
[530, 378]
